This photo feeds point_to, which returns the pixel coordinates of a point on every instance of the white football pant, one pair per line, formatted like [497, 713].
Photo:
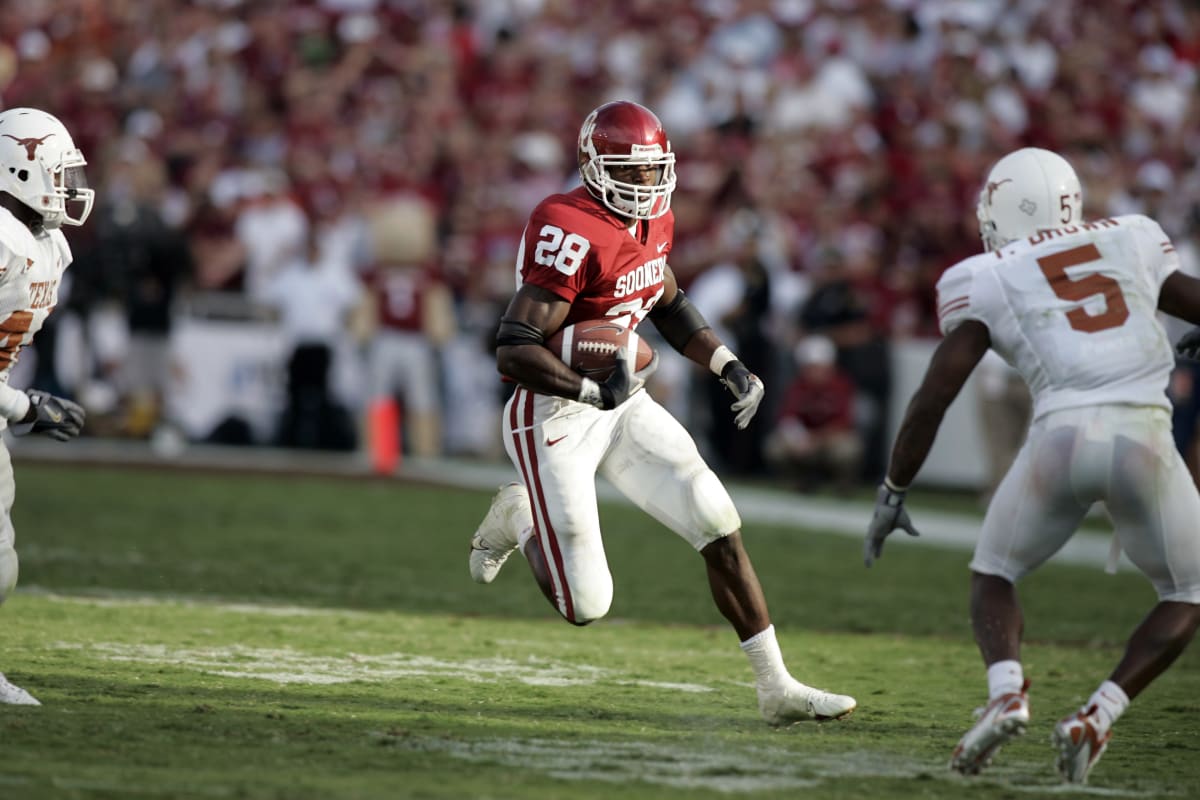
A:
[559, 445]
[8, 555]
[1121, 455]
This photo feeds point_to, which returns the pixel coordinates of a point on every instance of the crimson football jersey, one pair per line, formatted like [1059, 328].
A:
[400, 292]
[580, 251]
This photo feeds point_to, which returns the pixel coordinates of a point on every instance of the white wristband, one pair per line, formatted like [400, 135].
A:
[589, 393]
[893, 487]
[720, 357]
[14, 404]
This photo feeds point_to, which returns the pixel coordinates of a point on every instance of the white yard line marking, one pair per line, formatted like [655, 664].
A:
[285, 665]
[723, 768]
[695, 765]
[120, 599]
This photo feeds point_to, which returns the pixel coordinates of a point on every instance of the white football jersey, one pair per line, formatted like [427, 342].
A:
[31, 268]
[1073, 310]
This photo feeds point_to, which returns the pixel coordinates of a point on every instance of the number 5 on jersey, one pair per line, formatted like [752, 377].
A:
[1077, 290]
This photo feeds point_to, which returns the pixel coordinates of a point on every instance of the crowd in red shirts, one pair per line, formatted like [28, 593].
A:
[835, 144]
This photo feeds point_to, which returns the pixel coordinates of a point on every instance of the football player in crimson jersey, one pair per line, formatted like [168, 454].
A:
[601, 251]
[1072, 306]
[42, 187]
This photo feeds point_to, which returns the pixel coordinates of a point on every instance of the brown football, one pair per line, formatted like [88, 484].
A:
[590, 347]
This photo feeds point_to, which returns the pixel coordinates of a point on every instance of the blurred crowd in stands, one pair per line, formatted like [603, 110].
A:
[364, 168]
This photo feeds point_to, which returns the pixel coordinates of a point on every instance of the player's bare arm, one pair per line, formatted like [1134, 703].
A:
[952, 364]
[533, 314]
[691, 336]
[1180, 297]
[686, 330]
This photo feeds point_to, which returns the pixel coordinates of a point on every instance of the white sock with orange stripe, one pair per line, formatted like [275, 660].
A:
[1110, 701]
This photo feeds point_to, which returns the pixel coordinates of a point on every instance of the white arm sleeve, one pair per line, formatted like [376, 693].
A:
[954, 303]
[1155, 251]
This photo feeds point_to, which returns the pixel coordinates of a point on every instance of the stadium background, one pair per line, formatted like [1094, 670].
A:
[234, 629]
[829, 152]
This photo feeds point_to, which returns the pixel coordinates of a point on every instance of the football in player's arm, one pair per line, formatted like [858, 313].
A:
[600, 252]
[535, 313]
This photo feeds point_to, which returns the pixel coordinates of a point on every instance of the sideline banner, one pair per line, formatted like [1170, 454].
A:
[222, 370]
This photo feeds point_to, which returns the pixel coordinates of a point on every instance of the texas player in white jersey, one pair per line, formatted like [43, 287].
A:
[42, 187]
[1071, 305]
[601, 252]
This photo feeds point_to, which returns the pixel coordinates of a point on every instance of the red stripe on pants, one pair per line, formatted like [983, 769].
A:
[533, 482]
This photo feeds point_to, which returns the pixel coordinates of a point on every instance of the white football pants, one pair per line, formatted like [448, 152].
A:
[559, 445]
[1121, 455]
[8, 555]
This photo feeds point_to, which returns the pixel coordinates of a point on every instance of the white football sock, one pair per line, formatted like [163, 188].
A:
[1004, 677]
[1110, 701]
[522, 520]
[766, 658]
[524, 536]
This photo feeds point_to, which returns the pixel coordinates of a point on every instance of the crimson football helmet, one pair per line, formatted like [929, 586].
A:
[41, 167]
[625, 134]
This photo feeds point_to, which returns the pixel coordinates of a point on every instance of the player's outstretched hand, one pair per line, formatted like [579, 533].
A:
[56, 417]
[623, 383]
[1188, 345]
[889, 515]
[746, 387]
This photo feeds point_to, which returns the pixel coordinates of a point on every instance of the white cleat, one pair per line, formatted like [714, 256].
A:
[1000, 721]
[795, 702]
[496, 537]
[1080, 745]
[14, 695]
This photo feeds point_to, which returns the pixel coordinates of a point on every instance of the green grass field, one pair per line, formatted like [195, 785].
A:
[242, 636]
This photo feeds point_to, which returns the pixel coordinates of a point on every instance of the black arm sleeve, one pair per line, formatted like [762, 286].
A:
[512, 332]
[678, 320]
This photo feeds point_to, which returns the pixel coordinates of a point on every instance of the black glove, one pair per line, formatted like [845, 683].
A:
[746, 387]
[889, 515]
[623, 383]
[56, 417]
[1188, 345]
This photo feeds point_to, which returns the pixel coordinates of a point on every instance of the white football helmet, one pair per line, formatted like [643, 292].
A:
[41, 167]
[1027, 190]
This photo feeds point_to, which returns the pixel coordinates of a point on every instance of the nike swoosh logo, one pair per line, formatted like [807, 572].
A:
[662, 246]
[552, 442]
[55, 416]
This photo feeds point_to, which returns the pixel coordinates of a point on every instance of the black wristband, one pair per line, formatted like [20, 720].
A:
[729, 367]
